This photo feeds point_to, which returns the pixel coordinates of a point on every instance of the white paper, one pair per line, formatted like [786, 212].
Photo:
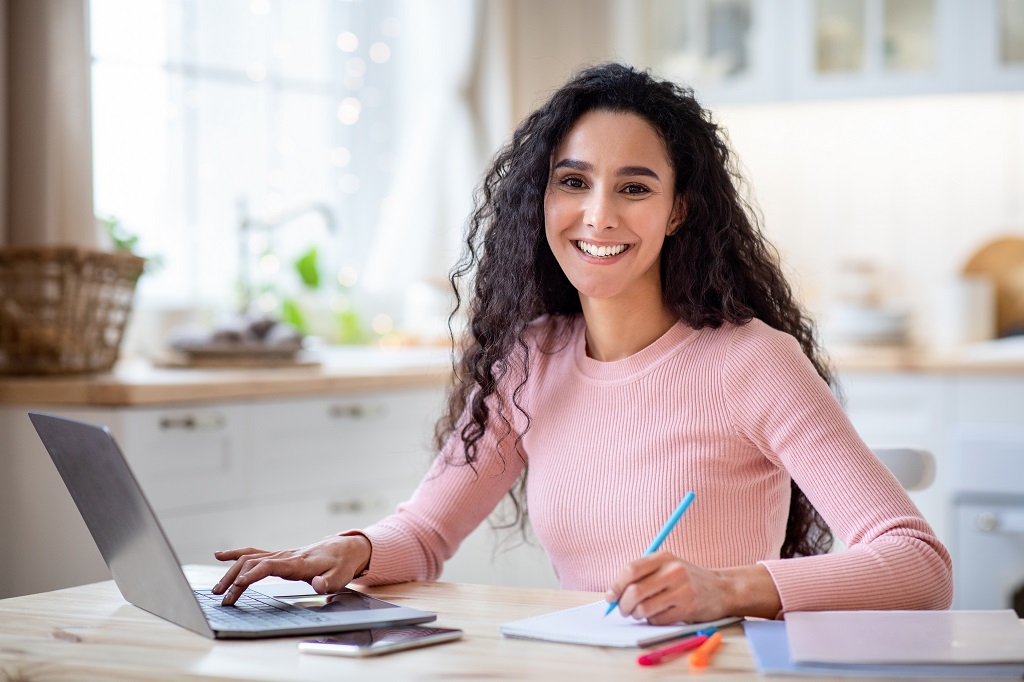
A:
[588, 625]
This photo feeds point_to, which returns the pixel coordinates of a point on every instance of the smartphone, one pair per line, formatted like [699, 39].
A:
[378, 641]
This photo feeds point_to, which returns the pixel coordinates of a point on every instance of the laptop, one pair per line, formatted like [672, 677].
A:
[146, 569]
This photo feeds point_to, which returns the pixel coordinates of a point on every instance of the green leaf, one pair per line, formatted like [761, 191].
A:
[291, 313]
[308, 269]
[122, 239]
[350, 328]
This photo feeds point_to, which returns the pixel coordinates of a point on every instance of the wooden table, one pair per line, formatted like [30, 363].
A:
[91, 633]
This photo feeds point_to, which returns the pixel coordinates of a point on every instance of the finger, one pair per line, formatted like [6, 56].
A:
[236, 568]
[257, 569]
[665, 596]
[245, 574]
[333, 579]
[232, 554]
[632, 573]
[657, 608]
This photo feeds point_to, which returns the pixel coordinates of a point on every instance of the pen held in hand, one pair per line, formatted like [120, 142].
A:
[665, 530]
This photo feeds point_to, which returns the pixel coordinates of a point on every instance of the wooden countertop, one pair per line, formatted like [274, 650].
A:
[142, 383]
[363, 368]
[996, 357]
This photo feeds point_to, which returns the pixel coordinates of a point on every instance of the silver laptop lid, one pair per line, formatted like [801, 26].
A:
[134, 546]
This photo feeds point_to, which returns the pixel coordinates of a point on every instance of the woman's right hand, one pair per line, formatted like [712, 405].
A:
[327, 565]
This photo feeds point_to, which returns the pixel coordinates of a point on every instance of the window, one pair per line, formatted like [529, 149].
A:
[208, 116]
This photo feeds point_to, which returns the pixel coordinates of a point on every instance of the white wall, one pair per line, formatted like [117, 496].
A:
[913, 184]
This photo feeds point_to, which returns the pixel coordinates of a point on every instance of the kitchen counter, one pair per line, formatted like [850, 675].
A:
[992, 357]
[342, 369]
[138, 382]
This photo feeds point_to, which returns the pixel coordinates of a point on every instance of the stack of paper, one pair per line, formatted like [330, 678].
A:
[930, 644]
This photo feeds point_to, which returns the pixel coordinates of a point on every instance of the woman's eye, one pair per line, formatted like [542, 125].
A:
[635, 189]
[574, 182]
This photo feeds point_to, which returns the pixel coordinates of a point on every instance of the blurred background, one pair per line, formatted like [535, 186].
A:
[317, 159]
[314, 161]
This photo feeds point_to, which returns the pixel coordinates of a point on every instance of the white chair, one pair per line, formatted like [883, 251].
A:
[914, 468]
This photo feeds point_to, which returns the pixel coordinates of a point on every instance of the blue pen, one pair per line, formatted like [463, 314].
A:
[665, 530]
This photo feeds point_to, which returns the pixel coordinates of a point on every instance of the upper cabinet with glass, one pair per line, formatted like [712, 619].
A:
[755, 50]
[875, 47]
[722, 46]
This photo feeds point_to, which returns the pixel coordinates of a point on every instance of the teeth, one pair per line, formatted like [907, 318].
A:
[600, 251]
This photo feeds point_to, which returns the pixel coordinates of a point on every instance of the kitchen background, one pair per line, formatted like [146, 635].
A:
[315, 161]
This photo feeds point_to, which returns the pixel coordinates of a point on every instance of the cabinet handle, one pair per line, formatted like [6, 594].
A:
[353, 506]
[193, 422]
[357, 411]
[1006, 522]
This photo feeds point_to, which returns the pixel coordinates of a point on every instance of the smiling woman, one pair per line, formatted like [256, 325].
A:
[631, 338]
[610, 204]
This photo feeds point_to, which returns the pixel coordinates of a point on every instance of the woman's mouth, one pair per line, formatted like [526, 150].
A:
[595, 251]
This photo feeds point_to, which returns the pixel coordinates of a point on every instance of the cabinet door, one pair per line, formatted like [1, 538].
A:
[272, 523]
[310, 445]
[989, 399]
[912, 410]
[996, 30]
[492, 556]
[727, 50]
[850, 48]
[187, 457]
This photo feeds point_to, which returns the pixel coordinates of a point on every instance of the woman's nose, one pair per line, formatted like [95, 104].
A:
[599, 211]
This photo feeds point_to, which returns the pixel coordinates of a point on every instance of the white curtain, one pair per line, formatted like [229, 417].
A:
[454, 114]
[47, 125]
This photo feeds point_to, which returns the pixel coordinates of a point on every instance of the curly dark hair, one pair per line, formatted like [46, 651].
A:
[716, 266]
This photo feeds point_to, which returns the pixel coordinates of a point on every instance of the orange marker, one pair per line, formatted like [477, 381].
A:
[702, 656]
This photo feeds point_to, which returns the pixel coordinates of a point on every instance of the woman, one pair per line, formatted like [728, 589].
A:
[632, 338]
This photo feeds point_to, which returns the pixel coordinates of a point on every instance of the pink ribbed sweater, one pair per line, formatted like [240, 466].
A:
[730, 413]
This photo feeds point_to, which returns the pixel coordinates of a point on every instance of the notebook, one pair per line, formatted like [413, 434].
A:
[770, 645]
[905, 637]
[146, 569]
[587, 624]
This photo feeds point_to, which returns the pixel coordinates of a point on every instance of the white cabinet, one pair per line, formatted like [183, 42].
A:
[974, 425]
[764, 50]
[261, 473]
[275, 473]
[891, 409]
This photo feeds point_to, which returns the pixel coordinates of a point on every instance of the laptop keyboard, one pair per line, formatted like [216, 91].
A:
[254, 611]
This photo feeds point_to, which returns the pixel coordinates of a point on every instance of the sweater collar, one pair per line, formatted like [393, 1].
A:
[641, 362]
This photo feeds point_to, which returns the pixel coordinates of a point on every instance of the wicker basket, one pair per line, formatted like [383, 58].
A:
[63, 309]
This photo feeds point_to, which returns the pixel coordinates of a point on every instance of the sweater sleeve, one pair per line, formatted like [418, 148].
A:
[892, 559]
[449, 503]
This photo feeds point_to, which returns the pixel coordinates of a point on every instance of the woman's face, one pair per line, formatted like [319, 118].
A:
[609, 205]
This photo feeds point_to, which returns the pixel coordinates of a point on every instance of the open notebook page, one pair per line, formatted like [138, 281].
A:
[588, 625]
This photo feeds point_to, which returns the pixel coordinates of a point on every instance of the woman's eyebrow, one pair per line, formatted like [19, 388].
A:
[584, 166]
[575, 164]
[638, 170]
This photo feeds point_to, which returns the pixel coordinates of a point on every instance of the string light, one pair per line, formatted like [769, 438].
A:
[348, 42]
[380, 52]
[349, 110]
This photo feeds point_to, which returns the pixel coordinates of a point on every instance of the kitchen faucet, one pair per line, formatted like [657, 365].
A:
[248, 224]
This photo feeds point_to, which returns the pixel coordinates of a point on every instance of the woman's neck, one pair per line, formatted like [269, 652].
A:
[617, 329]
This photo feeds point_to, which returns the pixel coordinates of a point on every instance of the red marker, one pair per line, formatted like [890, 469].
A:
[672, 650]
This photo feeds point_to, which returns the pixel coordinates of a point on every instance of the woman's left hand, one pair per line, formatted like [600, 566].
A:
[662, 588]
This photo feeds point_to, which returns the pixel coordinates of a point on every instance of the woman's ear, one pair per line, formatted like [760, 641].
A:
[675, 220]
